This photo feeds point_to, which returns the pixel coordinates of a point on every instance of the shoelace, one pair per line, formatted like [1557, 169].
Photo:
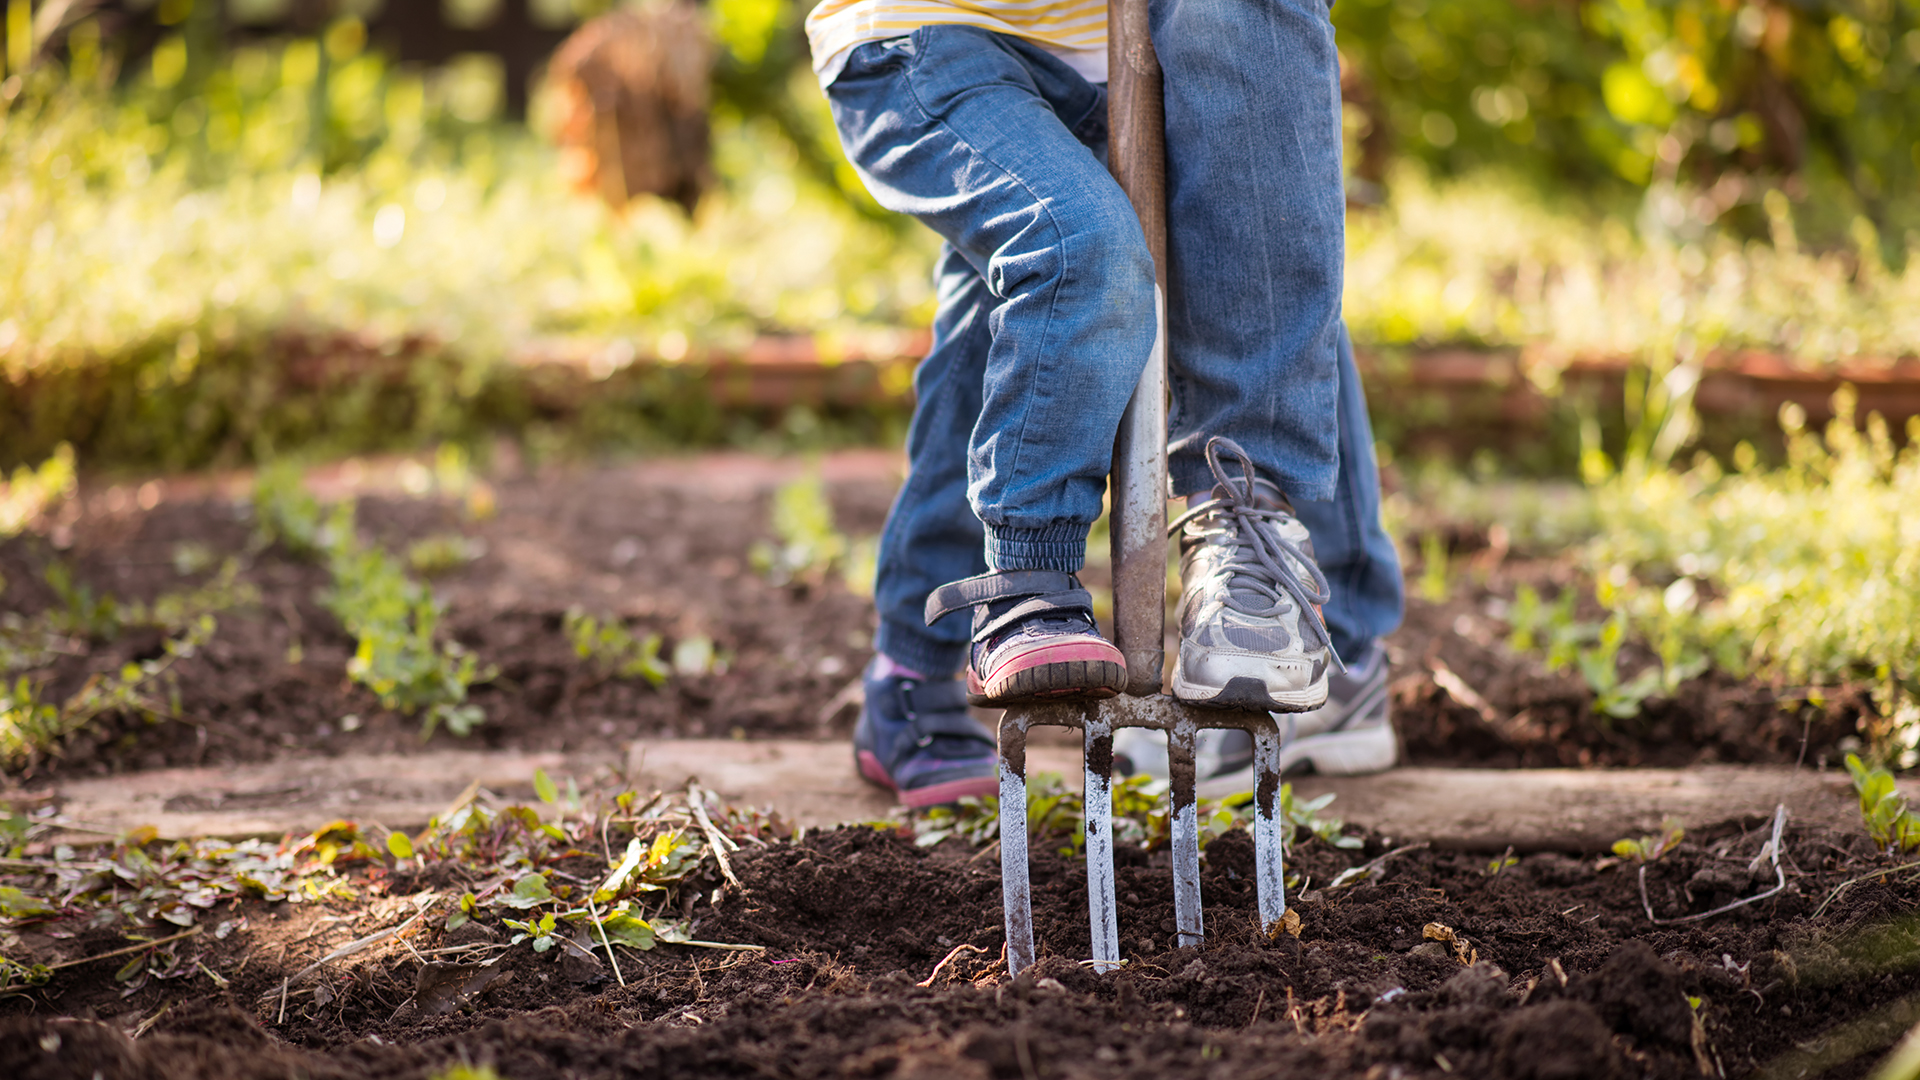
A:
[1261, 567]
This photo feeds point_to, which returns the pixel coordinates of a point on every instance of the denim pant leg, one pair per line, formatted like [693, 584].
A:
[1256, 244]
[1349, 543]
[986, 139]
[932, 536]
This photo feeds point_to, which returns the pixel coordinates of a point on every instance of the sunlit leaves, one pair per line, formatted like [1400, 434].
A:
[1883, 810]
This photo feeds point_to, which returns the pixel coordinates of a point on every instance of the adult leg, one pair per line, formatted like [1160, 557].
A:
[1256, 242]
[1349, 543]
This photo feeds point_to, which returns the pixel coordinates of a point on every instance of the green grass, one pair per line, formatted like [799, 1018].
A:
[1805, 575]
[1488, 261]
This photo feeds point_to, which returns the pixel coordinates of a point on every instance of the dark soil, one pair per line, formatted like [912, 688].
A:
[664, 546]
[1568, 978]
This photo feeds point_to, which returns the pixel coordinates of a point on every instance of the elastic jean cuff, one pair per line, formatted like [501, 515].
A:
[913, 647]
[1061, 547]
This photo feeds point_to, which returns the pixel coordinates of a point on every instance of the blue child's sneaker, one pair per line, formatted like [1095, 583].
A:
[916, 739]
[1033, 638]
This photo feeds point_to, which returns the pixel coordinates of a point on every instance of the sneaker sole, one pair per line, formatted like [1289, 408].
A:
[1249, 694]
[1336, 753]
[1078, 671]
[919, 798]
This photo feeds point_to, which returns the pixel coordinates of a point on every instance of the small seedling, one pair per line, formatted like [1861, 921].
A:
[1890, 824]
[442, 553]
[1649, 849]
[95, 618]
[1433, 572]
[393, 617]
[1057, 814]
[614, 650]
[1502, 862]
[1600, 666]
[807, 545]
[540, 930]
[31, 492]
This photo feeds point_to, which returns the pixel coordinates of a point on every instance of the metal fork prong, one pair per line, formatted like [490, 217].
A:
[1186, 833]
[1102, 910]
[1269, 860]
[1016, 889]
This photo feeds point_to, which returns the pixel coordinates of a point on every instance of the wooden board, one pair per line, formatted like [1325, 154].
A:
[813, 783]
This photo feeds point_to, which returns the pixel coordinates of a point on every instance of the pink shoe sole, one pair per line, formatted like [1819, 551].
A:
[1080, 669]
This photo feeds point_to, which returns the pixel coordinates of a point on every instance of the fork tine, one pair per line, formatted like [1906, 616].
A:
[1269, 860]
[1101, 908]
[1016, 890]
[1186, 833]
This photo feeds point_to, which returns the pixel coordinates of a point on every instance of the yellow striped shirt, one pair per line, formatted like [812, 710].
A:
[1075, 30]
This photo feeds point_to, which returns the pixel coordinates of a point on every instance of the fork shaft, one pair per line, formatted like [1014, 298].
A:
[1269, 861]
[1186, 834]
[1102, 910]
[1016, 889]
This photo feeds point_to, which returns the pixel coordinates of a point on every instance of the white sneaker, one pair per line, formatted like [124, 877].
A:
[1351, 735]
[1251, 635]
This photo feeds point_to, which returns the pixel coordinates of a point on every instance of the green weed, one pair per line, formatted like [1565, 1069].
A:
[1891, 825]
[31, 727]
[1600, 666]
[807, 545]
[394, 618]
[613, 649]
[1056, 814]
[1806, 574]
[26, 498]
[1648, 849]
[442, 553]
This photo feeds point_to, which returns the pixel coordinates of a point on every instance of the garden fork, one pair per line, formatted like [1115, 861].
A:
[1136, 119]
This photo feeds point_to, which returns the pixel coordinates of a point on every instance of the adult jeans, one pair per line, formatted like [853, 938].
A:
[1046, 297]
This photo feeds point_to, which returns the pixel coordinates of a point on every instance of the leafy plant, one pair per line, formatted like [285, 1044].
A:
[807, 543]
[1883, 810]
[394, 618]
[613, 649]
[442, 553]
[82, 612]
[1647, 849]
[31, 727]
[1057, 814]
[1806, 574]
[26, 498]
[1600, 666]
[1501, 863]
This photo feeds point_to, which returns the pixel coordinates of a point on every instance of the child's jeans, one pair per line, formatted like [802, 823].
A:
[1046, 297]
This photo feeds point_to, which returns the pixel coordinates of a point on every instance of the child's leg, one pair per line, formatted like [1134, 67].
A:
[985, 139]
[931, 536]
[1256, 244]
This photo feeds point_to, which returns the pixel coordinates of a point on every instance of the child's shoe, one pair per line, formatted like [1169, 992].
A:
[1033, 638]
[916, 739]
[1251, 635]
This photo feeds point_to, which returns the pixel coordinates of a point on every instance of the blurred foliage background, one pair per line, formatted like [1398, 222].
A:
[231, 228]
